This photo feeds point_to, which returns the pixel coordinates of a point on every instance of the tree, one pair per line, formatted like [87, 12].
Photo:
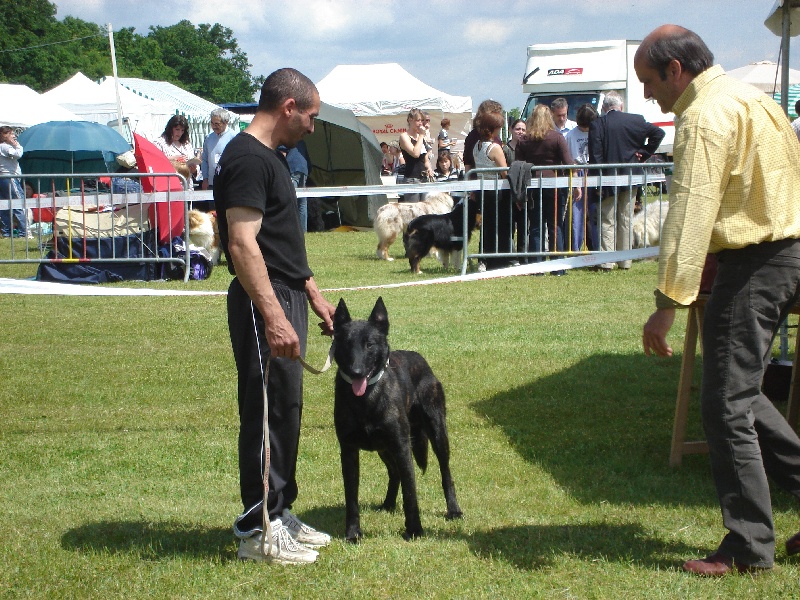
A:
[207, 61]
[38, 50]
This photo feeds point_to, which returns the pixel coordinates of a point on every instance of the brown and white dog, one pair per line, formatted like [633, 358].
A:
[392, 219]
[203, 232]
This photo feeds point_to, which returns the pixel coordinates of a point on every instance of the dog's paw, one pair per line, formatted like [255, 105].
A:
[354, 535]
[409, 535]
[454, 514]
[387, 506]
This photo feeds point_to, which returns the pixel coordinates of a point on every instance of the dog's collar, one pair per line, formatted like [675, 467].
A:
[372, 380]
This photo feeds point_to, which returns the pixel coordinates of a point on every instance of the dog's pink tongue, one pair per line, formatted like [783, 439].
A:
[360, 386]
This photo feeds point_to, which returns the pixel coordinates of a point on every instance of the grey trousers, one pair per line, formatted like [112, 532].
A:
[615, 225]
[748, 438]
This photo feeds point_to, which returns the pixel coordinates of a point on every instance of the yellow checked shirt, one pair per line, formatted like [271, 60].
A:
[736, 180]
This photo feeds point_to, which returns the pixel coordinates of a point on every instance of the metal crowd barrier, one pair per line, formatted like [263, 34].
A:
[511, 238]
[95, 219]
[526, 232]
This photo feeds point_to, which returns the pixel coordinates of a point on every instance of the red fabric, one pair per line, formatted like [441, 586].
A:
[160, 214]
[43, 215]
[149, 159]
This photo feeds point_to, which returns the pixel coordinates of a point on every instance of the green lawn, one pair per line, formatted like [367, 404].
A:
[119, 474]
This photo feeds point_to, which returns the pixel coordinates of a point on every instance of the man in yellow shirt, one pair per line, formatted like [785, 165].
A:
[736, 193]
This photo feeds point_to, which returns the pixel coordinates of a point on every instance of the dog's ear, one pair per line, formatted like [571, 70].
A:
[341, 316]
[379, 317]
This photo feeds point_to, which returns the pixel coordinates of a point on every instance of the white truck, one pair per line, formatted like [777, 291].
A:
[583, 72]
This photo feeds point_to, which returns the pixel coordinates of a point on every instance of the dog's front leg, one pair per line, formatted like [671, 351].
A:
[408, 483]
[350, 475]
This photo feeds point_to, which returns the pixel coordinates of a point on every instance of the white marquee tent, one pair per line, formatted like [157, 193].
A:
[196, 109]
[22, 107]
[765, 75]
[381, 96]
[98, 103]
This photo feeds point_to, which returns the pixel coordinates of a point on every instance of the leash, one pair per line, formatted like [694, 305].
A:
[266, 526]
[325, 367]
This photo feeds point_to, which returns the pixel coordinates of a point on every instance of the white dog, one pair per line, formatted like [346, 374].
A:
[392, 219]
[656, 213]
[203, 232]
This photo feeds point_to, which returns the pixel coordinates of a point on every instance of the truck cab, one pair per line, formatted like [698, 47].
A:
[583, 72]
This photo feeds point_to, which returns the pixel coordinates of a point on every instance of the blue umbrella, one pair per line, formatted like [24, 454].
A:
[70, 147]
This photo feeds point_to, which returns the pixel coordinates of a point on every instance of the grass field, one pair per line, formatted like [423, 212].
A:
[119, 473]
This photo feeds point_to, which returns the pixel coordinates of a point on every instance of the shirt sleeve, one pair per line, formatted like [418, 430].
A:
[10, 151]
[204, 159]
[702, 167]
[654, 136]
[563, 148]
[596, 141]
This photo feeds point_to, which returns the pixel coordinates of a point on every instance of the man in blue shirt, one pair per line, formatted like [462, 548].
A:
[299, 168]
[214, 145]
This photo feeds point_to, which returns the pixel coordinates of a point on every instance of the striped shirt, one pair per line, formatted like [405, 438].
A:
[736, 180]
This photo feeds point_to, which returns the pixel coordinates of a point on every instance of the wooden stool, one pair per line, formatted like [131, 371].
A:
[694, 328]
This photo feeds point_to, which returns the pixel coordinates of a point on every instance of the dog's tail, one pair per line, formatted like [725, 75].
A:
[419, 448]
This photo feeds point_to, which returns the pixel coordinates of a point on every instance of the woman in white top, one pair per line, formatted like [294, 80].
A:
[11, 187]
[496, 217]
[175, 144]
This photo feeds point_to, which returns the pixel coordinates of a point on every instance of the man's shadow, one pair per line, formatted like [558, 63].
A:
[151, 541]
[537, 547]
[603, 429]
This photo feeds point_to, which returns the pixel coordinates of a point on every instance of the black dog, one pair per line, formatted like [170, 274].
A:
[444, 232]
[392, 403]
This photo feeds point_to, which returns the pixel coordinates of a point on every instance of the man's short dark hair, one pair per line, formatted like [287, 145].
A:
[284, 84]
[797, 108]
[685, 46]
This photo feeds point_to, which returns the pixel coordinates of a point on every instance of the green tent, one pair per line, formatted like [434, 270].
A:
[344, 151]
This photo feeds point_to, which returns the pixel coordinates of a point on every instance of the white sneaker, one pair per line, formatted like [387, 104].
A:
[481, 267]
[305, 534]
[284, 549]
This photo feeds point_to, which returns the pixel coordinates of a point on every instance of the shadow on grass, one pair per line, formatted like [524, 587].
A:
[537, 547]
[602, 428]
[151, 541]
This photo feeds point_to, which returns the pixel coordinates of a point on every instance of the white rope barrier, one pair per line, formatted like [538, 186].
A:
[26, 286]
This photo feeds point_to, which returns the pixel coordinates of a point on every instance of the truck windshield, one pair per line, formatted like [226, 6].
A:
[575, 102]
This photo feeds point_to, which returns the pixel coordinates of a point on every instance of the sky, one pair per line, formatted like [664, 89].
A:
[471, 48]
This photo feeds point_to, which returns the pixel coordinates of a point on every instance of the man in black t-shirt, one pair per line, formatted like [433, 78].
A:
[268, 303]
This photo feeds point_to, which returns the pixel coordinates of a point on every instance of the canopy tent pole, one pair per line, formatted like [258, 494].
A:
[116, 77]
[785, 25]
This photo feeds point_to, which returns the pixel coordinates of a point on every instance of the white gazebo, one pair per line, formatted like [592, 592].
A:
[381, 96]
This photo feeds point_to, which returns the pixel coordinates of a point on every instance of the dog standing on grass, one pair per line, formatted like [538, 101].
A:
[445, 233]
[390, 403]
[392, 219]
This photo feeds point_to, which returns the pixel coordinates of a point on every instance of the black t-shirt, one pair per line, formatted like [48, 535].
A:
[250, 174]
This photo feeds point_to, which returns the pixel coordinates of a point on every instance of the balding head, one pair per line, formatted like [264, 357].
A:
[667, 61]
[673, 42]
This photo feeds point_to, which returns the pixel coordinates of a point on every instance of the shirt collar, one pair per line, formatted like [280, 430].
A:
[693, 89]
